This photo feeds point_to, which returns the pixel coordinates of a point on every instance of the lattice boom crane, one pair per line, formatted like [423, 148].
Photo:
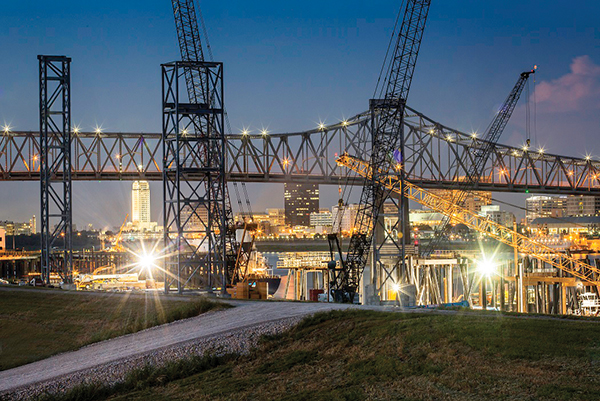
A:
[387, 134]
[483, 151]
[576, 267]
[190, 45]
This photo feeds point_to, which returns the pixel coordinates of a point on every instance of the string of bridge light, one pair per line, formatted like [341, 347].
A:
[525, 148]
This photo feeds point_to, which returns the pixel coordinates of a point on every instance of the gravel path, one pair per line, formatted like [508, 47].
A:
[232, 330]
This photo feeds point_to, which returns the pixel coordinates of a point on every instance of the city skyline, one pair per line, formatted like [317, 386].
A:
[471, 56]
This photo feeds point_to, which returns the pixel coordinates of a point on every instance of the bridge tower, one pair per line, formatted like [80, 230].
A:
[194, 187]
[55, 167]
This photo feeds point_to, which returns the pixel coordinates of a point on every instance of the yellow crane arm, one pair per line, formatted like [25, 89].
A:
[526, 245]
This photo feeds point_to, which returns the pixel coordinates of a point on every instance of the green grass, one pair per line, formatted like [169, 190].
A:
[355, 355]
[37, 324]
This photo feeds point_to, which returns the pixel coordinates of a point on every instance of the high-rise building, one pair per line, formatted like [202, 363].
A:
[581, 205]
[33, 225]
[300, 200]
[140, 203]
[2, 240]
[545, 206]
[194, 217]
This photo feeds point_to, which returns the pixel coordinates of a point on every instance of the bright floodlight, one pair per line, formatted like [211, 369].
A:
[395, 287]
[486, 267]
[146, 261]
[321, 126]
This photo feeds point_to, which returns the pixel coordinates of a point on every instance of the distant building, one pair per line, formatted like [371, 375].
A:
[343, 219]
[501, 217]
[425, 218]
[276, 217]
[2, 240]
[545, 206]
[11, 228]
[140, 202]
[581, 205]
[32, 225]
[194, 218]
[473, 201]
[323, 219]
[565, 225]
[300, 200]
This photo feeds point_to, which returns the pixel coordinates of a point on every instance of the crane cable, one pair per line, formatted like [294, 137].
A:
[245, 214]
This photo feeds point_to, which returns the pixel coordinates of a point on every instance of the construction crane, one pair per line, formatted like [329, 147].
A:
[190, 45]
[391, 180]
[387, 134]
[117, 245]
[481, 151]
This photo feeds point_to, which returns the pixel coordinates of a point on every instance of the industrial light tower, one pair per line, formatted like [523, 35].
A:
[55, 167]
[195, 204]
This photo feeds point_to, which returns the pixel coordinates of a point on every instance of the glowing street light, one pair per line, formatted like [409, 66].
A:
[321, 126]
[6, 128]
[344, 123]
[264, 132]
[98, 130]
[76, 130]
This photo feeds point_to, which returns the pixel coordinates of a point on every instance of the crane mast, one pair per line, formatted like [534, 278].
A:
[190, 45]
[482, 152]
[388, 114]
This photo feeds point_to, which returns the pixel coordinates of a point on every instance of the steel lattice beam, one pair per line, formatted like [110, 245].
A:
[436, 156]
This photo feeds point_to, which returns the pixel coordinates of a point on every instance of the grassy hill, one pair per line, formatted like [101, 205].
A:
[356, 355]
[35, 324]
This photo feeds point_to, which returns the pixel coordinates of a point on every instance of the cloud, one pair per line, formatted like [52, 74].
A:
[579, 90]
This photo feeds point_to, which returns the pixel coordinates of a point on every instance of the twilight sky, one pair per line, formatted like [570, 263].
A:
[289, 65]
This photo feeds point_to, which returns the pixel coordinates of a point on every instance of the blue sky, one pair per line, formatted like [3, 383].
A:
[291, 64]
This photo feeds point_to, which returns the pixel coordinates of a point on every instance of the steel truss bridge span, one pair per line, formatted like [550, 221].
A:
[436, 157]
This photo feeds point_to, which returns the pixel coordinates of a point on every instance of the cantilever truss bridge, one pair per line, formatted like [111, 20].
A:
[436, 156]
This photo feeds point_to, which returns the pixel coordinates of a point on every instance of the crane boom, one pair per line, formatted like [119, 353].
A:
[388, 114]
[576, 267]
[482, 153]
